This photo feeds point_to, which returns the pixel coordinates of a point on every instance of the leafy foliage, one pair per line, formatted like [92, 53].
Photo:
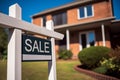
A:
[65, 54]
[113, 63]
[101, 70]
[115, 53]
[108, 63]
[111, 66]
[91, 56]
[3, 42]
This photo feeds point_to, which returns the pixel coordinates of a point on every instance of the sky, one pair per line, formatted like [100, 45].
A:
[30, 7]
[116, 9]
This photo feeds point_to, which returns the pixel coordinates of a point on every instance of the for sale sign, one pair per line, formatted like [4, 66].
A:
[34, 48]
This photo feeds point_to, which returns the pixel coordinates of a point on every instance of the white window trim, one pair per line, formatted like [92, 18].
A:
[85, 32]
[85, 8]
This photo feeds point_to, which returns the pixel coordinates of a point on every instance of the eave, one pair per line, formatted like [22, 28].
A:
[84, 25]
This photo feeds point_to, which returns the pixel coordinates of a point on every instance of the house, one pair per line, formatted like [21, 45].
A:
[84, 23]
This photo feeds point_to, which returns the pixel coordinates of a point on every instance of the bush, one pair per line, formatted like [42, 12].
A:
[4, 55]
[113, 68]
[3, 41]
[110, 64]
[101, 70]
[65, 54]
[115, 53]
[91, 56]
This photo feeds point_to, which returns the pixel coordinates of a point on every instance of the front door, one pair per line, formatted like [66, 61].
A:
[87, 39]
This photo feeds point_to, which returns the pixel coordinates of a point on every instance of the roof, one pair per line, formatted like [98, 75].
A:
[63, 7]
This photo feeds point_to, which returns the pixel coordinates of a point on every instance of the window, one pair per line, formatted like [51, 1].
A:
[85, 12]
[44, 21]
[89, 10]
[60, 18]
[87, 39]
[91, 39]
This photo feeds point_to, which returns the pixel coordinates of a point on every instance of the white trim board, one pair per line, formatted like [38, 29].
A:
[36, 57]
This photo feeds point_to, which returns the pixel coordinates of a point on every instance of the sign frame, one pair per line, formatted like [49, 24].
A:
[35, 56]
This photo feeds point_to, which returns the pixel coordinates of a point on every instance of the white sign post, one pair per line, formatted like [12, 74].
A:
[15, 41]
[52, 64]
[14, 47]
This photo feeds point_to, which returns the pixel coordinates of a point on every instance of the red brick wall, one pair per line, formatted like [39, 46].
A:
[37, 21]
[107, 37]
[74, 43]
[101, 10]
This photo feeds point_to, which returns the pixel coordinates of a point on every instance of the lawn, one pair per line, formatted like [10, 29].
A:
[39, 71]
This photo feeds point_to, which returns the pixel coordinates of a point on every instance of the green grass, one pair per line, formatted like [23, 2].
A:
[39, 71]
[3, 70]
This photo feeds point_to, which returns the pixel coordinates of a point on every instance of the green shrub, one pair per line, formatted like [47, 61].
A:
[91, 56]
[101, 70]
[110, 64]
[115, 53]
[113, 68]
[4, 55]
[65, 54]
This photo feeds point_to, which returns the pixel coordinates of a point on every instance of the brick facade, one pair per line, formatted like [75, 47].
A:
[101, 10]
[74, 43]
[37, 21]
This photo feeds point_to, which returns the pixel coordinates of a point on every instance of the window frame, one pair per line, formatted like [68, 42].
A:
[85, 11]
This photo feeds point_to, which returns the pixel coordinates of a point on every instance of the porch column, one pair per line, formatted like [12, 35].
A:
[103, 34]
[68, 39]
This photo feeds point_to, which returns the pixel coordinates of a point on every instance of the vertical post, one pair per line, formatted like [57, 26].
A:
[68, 39]
[14, 47]
[52, 64]
[103, 34]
